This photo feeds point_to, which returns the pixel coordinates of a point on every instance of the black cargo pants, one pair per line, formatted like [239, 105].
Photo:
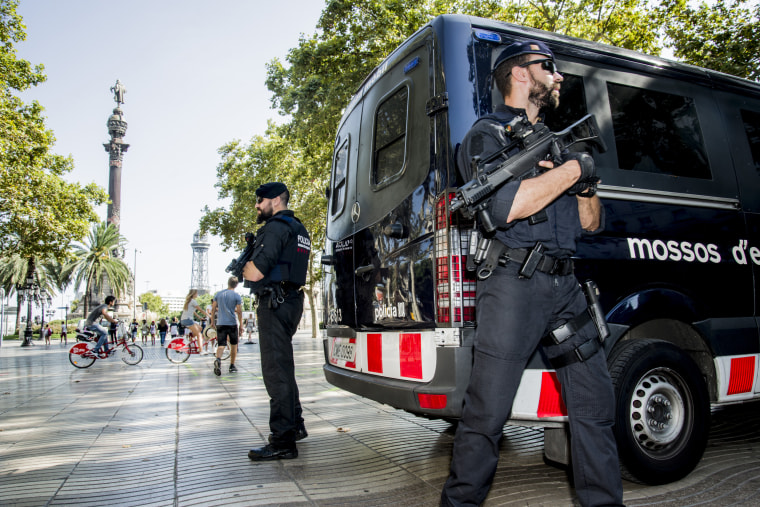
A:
[513, 315]
[276, 329]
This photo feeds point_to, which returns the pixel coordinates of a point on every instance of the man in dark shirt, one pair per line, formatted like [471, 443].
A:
[278, 268]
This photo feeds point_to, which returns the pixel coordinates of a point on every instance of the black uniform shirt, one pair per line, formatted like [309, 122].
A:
[271, 240]
[562, 227]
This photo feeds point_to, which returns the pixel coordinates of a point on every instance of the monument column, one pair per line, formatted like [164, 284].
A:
[116, 149]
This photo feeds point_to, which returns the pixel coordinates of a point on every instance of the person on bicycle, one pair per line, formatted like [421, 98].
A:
[93, 323]
[186, 319]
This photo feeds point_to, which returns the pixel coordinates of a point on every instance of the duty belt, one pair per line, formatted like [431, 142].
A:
[550, 265]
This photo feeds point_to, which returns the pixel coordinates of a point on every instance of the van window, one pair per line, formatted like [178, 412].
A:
[572, 104]
[340, 170]
[657, 132]
[751, 121]
[390, 138]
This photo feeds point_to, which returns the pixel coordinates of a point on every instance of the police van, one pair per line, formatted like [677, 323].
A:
[676, 264]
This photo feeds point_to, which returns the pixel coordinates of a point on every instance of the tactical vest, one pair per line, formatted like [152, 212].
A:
[294, 259]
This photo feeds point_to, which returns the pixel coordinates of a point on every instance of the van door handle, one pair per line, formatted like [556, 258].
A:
[363, 270]
[396, 230]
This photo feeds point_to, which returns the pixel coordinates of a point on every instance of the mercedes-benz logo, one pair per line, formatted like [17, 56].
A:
[355, 212]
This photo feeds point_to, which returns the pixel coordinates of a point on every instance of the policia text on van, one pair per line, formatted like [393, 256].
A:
[676, 262]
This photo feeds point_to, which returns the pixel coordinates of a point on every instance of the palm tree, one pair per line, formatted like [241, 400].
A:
[13, 275]
[99, 261]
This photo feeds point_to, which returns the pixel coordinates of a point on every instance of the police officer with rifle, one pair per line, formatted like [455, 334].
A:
[528, 297]
[277, 266]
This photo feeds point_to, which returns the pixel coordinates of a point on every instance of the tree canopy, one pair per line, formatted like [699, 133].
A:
[40, 212]
[155, 303]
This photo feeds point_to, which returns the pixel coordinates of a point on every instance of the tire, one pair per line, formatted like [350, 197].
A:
[177, 351]
[131, 354]
[662, 412]
[77, 358]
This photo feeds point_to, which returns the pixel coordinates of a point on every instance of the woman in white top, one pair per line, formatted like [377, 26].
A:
[188, 313]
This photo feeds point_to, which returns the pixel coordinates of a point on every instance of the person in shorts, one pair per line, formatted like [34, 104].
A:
[227, 318]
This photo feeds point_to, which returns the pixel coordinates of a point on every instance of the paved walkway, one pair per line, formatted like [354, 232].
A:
[175, 435]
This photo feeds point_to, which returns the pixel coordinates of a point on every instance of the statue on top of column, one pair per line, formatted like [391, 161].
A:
[118, 92]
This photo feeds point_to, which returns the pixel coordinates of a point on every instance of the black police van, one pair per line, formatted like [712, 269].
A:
[677, 262]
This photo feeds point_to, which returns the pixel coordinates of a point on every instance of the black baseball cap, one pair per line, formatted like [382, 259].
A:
[271, 190]
[523, 48]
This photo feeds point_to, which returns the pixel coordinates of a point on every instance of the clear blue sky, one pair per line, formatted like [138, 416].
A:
[194, 71]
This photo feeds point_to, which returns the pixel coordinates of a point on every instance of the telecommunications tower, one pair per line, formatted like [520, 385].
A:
[199, 279]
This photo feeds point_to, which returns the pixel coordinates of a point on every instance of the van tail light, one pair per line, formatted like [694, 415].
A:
[454, 287]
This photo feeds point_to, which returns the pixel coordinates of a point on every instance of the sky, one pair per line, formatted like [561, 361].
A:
[194, 71]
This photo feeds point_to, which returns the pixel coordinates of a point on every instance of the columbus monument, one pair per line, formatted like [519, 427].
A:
[116, 149]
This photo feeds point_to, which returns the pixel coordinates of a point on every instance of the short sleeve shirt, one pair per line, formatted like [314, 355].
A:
[226, 302]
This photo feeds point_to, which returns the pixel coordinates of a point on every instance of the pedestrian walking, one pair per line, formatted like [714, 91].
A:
[133, 327]
[163, 327]
[249, 327]
[144, 331]
[278, 270]
[64, 333]
[226, 317]
[48, 333]
[152, 332]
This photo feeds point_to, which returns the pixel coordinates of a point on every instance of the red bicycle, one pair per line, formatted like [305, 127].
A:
[179, 349]
[82, 356]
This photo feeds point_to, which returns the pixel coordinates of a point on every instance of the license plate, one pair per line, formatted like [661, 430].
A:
[344, 349]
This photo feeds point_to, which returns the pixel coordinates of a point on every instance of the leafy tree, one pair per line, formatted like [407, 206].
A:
[723, 35]
[98, 261]
[204, 301]
[40, 213]
[13, 274]
[155, 303]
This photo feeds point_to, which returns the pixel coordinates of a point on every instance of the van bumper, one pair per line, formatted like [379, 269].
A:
[453, 367]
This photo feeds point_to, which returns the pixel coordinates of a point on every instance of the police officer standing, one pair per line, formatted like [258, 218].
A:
[278, 268]
[534, 300]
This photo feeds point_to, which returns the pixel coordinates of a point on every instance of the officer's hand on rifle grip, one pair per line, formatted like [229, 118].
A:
[588, 176]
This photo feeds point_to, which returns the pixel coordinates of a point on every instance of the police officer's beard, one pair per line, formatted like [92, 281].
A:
[265, 215]
[541, 96]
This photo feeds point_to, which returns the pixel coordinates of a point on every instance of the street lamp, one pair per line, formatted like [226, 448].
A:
[31, 293]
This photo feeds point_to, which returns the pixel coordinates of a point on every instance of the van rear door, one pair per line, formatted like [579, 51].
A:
[391, 209]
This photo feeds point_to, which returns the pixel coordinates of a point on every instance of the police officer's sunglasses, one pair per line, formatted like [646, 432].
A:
[546, 64]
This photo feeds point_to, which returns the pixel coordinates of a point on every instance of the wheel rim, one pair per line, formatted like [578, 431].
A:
[658, 409]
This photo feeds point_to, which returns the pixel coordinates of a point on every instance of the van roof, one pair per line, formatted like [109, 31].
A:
[575, 47]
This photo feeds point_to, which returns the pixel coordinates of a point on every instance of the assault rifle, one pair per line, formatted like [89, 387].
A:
[236, 266]
[529, 144]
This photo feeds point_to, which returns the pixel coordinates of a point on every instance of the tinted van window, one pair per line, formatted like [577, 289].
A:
[751, 121]
[390, 138]
[340, 169]
[657, 132]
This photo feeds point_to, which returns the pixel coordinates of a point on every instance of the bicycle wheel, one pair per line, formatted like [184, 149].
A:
[131, 354]
[177, 351]
[77, 357]
[225, 354]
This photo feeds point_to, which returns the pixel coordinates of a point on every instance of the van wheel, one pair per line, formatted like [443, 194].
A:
[662, 410]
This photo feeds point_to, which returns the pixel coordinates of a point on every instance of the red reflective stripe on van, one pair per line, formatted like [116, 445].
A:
[742, 375]
[550, 403]
[375, 352]
[410, 355]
